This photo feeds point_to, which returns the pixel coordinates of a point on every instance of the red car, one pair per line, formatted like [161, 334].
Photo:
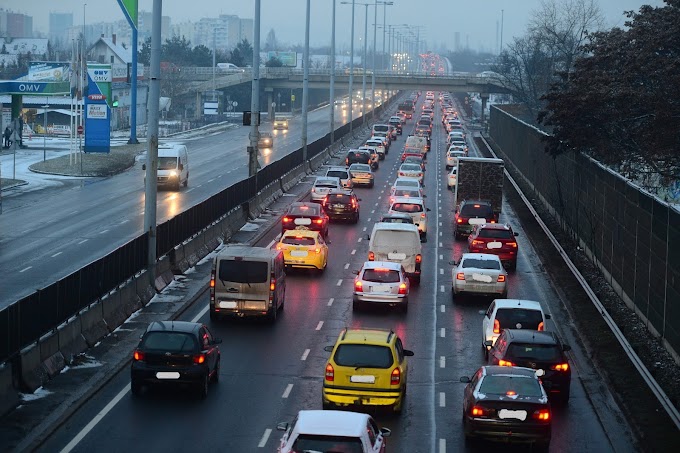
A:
[306, 215]
[496, 239]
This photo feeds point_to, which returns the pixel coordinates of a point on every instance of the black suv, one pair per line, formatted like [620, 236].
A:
[538, 350]
[341, 204]
[356, 156]
[471, 209]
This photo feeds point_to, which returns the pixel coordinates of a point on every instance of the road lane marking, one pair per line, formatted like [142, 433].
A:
[442, 399]
[369, 219]
[440, 245]
[443, 309]
[265, 438]
[440, 233]
[353, 252]
[359, 240]
[440, 224]
[365, 227]
[124, 221]
[376, 204]
[305, 354]
[339, 282]
[319, 326]
[442, 445]
[271, 243]
[442, 332]
[189, 190]
[441, 271]
[346, 265]
[373, 211]
[442, 362]
[330, 301]
[103, 231]
[287, 391]
[211, 180]
[441, 288]
[57, 254]
[24, 270]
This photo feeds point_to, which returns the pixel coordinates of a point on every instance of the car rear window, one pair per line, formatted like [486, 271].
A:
[292, 240]
[518, 318]
[243, 271]
[339, 198]
[320, 443]
[406, 193]
[337, 174]
[170, 342]
[481, 210]
[304, 210]
[405, 183]
[390, 238]
[407, 219]
[411, 167]
[481, 264]
[360, 167]
[381, 128]
[495, 233]
[407, 207]
[363, 355]
[535, 352]
[501, 385]
[381, 275]
[331, 185]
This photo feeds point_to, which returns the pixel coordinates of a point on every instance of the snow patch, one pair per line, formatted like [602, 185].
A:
[250, 227]
[39, 393]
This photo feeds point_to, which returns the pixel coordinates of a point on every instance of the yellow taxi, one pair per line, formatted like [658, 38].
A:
[367, 367]
[303, 248]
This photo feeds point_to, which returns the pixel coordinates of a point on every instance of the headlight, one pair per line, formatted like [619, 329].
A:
[173, 174]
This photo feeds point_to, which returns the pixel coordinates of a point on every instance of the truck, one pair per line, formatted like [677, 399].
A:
[407, 108]
[480, 179]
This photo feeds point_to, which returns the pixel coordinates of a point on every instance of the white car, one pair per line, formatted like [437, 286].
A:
[320, 431]
[342, 173]
[454, 135]
[411, 171]
[322, 186]
[415, 207]
[479, 274]
[379, 146]
[459, 143]
[452, 177]
[511, 314]
[381, 282]
[452, 156]
[407, 183]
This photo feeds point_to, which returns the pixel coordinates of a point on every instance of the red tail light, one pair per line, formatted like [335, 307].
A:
[459, 220]
[371, 256]
[501, 278]
[402, 288]
[286, 219]
[477, 243]
[505, 363]
[542, 415]
[354, 204]
[318, 221]
[419, 258]
[325, 200]
[138, 356]
[422, 215]
[541, 326]
[212, 285]
[395, 378]
[272, 284]
[511, 244]
[199, 358]
[561, 367]
[330, 373]
[478, 411]
[358, 285]
[496, 326]
[460, 276]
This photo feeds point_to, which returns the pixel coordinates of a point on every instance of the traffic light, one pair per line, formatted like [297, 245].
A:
[247, 118]
[115, 102]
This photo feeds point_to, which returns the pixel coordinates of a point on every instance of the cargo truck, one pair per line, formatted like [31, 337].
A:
[480, 179]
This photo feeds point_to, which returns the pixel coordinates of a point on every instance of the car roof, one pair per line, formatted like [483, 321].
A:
[396, 215]
[412, 200]
[175, 326]
[382, 264]
[304, 233]
[341, 190]
[480, 256]
[329, 422]
[495, 370]
[476, 202]
[326, 179]
[336, 168]
[532, 336]
[394, 226]
[242, 250]
[495, 226]
[374, 335]
[405, 178]
[518, 303]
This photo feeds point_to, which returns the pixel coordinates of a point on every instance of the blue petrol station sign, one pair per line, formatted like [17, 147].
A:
[97, 109]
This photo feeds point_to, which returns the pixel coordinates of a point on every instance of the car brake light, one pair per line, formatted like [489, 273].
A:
[561, 367]
[511, 244]
[319, 221]
[505, 363]
[330, 373]
[138, 356]
[272, 284]
[478, 411]
[419, 258]
[395, 378]
[496, 326]
[317, 250]
[371, 256]
[358, 285]
[459, 220]
[422, 215]
[501, 278]
[541, 326]
[286, 219]
[477, 243]
[354, 203]
[199, 358]
[542, 415]
[492, 221]
[402, 288]
[460, 276]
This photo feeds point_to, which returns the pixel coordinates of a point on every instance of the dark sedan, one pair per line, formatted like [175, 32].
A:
[176, 352]
[307, 215]
[342, 204]
[508, 405]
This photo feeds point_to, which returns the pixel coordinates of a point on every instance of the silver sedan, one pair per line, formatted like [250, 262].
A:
[479, 274]
[381, 282]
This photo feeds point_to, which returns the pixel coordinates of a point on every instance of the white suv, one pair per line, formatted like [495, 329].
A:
[342, 173]
[318, 430]
[415, 207]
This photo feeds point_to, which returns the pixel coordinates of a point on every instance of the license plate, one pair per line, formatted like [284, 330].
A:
[338, 206]
[517, 415]
[303, 221]
[481, 278]
[362, 379]
[167, 375]
[494, 245]
[476, 221]
[396, 256]
[228, 304]
[299, 253]
[381, 289]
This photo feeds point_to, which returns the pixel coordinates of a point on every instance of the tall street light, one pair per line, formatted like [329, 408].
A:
[332, 93]
[384, 28]
[45, 107]
[351, 66]
[363, 75]
[375, 31]
[254, 135]
[305, 87]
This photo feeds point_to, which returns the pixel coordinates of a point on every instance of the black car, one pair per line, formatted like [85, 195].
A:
[356, 156]
[309, 215]
[538, 350]
[471, 209]
[341, 204]
[176, 353]
[506, 404]
[397, 125]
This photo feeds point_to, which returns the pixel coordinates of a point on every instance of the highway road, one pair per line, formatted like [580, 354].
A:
[269, 372]
[48, 234]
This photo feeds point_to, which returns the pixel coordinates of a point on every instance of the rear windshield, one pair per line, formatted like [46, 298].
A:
[404, 183]
[337, 174]
[292, 240]
[518, 318]
[363, 355]
[320, 443]
[339, 198]
[304, 210]
[170, 342]
[411, 167]
[535, 352]
[390, 238]
[381, 275]
[243, 271]
[167, 163]
[480, 264]
[381, 128]
[495, 233]
[397, 220]
[326, 184]
[501, 385]
[407, 207]
[480, 210]
[360, 167]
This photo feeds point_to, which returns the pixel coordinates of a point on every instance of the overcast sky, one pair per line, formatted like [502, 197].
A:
[475, 20]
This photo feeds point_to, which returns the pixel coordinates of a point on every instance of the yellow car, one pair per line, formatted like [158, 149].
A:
[303, 248]
[367, 367]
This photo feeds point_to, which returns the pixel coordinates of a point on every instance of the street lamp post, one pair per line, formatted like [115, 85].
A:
[351, 66]
[332, 92]
[363, 76]
[45, 107]
[254, 135]
[375, 31]
[305, 87]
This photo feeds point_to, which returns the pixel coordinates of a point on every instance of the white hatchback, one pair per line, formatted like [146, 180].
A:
[452, 177]
[322, 186]
[511, 314]
[415, 207]
[479, 274]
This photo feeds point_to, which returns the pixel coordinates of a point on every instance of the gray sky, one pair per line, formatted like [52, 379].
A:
[475, 20]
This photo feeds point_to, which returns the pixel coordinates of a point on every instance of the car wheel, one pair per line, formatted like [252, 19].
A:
[186, 182]
[542, 446]
[213, 316]
[356, 218]
[512, 266]
[457, 235]
[203, 389]
[135, 388]
[404, 307]
[272, 314]
[356, 305]
[216, 374]
[485, 351]
[327, 406]
[370, 186]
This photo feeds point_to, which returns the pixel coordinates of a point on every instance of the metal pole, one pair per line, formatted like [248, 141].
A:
[332, 93]
[384, 25]
[363, 63]
[253, 164]
[133, 89]
[351, 71]
[305, 87]
[375, 31]
[501, 31]
[152, 139]
[45, 128]
[213, 61]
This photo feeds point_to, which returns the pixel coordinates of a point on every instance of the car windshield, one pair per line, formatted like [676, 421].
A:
[381, 276]
[501, 385]
[342, 174]
[304, 210]
[360, 167]
[306, 443]
[535, 352]
[381, 128]
[407, 207]
[518, 318]
[295, 240]
[169, 342]
[243, 271]
[476, 263]
[477, 210]
[167, 163]
[363, 355]
[494, 233]
[411, 167]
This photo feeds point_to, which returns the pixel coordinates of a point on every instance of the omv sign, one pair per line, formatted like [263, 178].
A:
[22, 87]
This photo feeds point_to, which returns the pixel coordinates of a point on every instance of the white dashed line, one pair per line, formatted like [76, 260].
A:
[305, 354]
[287, 391]
[442, 332]
[441, 271]
[441, 288]
[24, 270]
[339, 282]
[442, 399]
[442, 362]
[373, 211]
[189, 190]
[359, 240]
[330, 301]
[441, 257]
[265, 438]
[353, 252]
[319, 326]
[441, 245]
[365, 227]
[346, 265]
[377, 204]
[57, 254]
[440, 224]
[443, 308]
[442, 445]
[440, 233]
[211, 180]
[103, 231]
[124, 221]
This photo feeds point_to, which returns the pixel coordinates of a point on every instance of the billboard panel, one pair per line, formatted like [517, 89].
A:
[289, 59]
[49, 71]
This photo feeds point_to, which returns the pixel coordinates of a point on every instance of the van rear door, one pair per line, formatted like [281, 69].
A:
[242, 284]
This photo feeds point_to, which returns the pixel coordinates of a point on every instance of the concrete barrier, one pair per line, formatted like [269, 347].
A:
[130, 299]
[93, 326]
[163, 274]
[144, 290]
[9, 397]
[30, 369]
[71, 341]
[112, 309]
[293, 177]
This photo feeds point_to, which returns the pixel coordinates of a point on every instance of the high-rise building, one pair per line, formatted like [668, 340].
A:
[59, 25]
[15, 25]
[144, 22]
[226, 31]
[456, 41]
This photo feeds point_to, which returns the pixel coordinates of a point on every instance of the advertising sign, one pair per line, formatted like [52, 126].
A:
[49, 71]
[97, 117]
[289, 59]
[97, 112]
[99, 74]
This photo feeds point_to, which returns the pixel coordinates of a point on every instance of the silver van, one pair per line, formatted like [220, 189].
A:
[247, 281]
[398, 243]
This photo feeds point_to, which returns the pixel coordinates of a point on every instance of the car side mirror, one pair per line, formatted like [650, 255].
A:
[217, 341]
[355, 272]
[453, 263]
[516, 234]
[547, 316]
[408, 353]
[465, 379]
[180, 167]
[488, 343]
[359, 199]
[283, 426]
[428, 209]
[386, 432]
[328, 348]
[566, 347]
[143, 166]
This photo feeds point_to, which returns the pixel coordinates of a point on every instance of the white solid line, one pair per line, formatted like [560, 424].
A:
[103, 231]
[83, 241]
[442, 332]
[339, 282]
[124, 221]
[271, 243]
[373, 211]
[330, 301]
[442, 399]
[441, 288]
[353, 252]
[287, 391]
[442, 362]
[319, 326]
[201, 313]
[84, 432]
[442, 445]
[24, 270]
[346, 265]
[443, 309]
[57, 254]
[265, 438]
[305, 354]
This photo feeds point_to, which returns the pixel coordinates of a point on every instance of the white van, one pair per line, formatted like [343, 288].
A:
[173, 166]
[247, 281]
[229, 67]
[399, 243]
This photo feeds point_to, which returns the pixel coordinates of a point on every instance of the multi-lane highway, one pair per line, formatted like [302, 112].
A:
[270, 371]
